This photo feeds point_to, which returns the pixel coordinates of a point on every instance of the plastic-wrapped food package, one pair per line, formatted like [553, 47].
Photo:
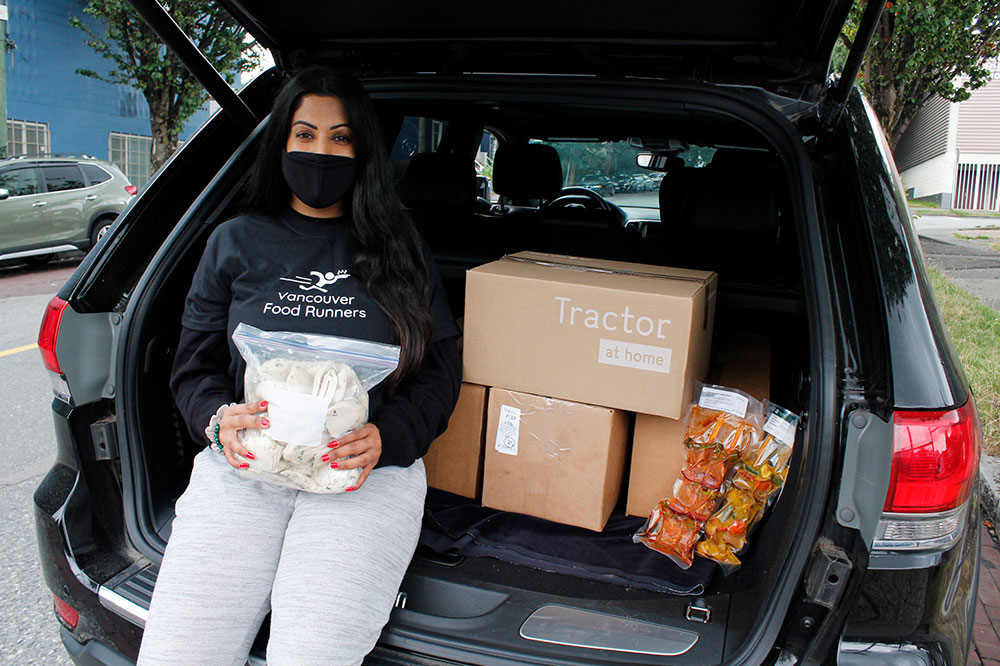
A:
[757, 480]
[693, 499]
[316, 387]
[672, 534]
[721, 427]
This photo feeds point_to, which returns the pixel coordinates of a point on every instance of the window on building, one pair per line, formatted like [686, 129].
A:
[19, 182]
[133, 155]
[59, 178]
[26, 137]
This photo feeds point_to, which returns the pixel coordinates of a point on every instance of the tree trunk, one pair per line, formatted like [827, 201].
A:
[160, 122]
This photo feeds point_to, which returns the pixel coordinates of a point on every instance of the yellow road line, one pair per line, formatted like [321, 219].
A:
[15, 350]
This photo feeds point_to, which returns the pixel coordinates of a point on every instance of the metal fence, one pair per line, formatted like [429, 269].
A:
[977, 187]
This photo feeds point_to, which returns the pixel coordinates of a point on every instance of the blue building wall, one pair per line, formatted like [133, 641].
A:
[43, 86]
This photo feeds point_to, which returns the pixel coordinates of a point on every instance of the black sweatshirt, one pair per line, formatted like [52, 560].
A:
[290, 272]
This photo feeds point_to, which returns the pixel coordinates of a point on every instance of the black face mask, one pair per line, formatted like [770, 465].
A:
[318, 180]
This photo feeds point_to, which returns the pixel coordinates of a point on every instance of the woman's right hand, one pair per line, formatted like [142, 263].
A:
[236, 418]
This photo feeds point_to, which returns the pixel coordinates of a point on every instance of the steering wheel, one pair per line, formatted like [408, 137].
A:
[572, 197]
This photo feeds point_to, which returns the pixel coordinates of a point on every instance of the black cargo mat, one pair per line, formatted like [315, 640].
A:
[454, 524]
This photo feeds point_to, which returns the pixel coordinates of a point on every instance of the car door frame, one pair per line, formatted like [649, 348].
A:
[68, 211]
[24, 233]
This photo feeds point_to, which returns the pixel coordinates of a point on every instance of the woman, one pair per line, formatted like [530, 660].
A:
[325, 223]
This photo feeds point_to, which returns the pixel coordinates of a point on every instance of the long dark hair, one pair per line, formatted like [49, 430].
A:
[391, 262]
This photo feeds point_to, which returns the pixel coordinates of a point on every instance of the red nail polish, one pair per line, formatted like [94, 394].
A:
[250, 455]
[265, 422]
[335, 464]
[349, 489]
[326, 457]
[244, 464]
[334, 444]
[263, 403]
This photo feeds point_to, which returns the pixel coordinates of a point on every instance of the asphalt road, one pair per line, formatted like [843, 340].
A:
[29, 632]
[961, 247]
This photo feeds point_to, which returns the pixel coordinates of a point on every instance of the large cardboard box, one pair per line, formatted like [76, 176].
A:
[610, 333]
[554, 459]
[657, 443]
[455, 459]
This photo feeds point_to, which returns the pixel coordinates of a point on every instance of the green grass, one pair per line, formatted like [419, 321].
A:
[975, 331]
[964, 237]
[995, 247]
[972, 213]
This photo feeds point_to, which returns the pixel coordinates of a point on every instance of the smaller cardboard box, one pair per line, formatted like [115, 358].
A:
[630, 336]
[455, 459]
[554, 459]
[658, 451]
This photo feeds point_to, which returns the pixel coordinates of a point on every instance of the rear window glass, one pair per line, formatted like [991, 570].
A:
[95, 174]
[697, 156]
[416, 135]
[59, 178]
[19, 182]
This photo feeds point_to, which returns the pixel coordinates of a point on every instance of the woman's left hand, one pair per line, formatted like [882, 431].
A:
[365, 444]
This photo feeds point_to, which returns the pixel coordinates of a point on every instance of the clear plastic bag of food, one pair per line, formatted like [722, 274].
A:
[316, 388]
[757, 480]
[669, 533]
[693, 499]
[722, 425]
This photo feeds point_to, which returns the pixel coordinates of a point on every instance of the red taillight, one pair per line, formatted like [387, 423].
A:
[49, 333]
[935, 459]
[66, 612]
[132, 189]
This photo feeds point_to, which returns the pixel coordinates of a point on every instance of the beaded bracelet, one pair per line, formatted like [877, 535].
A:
[212, 430]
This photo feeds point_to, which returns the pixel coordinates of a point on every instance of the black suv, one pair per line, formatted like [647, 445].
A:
[870, 556]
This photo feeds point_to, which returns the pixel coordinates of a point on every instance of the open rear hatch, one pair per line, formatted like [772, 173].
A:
[783, 43]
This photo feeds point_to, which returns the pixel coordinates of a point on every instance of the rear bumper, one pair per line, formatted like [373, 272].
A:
[92, 653]
[910, 614]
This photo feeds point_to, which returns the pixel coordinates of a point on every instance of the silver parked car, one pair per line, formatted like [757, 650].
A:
[51, 204]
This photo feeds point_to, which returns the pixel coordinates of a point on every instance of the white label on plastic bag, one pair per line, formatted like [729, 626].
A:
[782, 430]
[724, 401]
[508, 430]
[295, 418]
[634, 355]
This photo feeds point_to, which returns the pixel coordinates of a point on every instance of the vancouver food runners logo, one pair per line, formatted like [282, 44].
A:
[313, 299]
[322, 280]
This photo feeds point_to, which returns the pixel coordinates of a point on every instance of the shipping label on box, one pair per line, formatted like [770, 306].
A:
[554, 459]
[609, 333]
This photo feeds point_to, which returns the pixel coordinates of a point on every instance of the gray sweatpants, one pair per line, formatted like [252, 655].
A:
[327, 567]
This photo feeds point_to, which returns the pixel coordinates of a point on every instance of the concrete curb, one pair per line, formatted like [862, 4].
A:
[989, 488]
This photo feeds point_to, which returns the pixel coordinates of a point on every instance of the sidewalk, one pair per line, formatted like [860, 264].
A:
[975, 268]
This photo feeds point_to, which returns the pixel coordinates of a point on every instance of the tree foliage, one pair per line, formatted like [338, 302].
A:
[924, 48]
[142, 61]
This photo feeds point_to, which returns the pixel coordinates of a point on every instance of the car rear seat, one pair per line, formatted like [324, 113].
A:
[440, 192]
[726, 218]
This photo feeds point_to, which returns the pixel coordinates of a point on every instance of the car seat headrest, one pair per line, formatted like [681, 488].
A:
[732, 200]
[439, 180]
[527, 171]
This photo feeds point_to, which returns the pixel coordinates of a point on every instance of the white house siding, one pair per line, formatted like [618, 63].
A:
[926, 137]
[979, 121]
[931, 180]
[966, 174]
